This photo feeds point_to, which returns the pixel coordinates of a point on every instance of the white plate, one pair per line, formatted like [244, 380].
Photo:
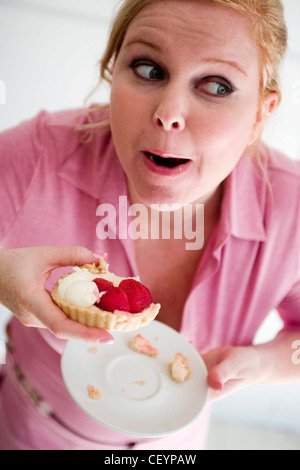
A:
[138, 397]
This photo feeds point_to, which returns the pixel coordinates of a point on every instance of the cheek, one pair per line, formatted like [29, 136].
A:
[120, 118]
[118, 105]
[224, 135]
[130, 116]
[229, 129]
[126, 99]
[127, 116]
[127, 111]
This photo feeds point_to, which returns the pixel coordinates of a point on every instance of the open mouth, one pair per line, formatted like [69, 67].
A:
[168, 162]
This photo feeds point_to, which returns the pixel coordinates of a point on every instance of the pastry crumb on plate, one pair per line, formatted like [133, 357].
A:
[93, 392]
[143, 346]
[179, 368]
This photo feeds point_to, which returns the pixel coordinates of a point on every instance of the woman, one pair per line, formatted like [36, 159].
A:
[192, 85]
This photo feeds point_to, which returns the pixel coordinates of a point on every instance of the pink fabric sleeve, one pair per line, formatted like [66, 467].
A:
[20, 148]
[289, 309]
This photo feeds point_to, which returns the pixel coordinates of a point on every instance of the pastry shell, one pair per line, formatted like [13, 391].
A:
[94, 317]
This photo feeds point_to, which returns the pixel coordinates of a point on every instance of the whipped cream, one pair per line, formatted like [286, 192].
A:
[78, 288]
[83, 293]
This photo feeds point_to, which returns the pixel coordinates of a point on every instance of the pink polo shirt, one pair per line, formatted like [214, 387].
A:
[50, 188]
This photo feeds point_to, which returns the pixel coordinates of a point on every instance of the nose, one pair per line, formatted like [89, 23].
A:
[169, 114]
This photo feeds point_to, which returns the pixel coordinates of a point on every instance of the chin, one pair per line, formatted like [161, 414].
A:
[165, 198]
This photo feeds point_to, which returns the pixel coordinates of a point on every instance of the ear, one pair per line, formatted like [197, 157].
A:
[269, 105]
[265, 111]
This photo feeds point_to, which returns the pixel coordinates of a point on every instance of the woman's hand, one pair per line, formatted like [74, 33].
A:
[232, 368]
[23, 275]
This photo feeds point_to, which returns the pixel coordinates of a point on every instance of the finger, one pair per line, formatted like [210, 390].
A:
[214, 380]
[29, 320]
[213, 357]
[71, 330]
[225, 371]
[63, 327]
[222, 383]
[70, 256]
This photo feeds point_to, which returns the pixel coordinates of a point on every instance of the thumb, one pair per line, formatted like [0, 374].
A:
[55, 261]
[70, 256]
[222, 367]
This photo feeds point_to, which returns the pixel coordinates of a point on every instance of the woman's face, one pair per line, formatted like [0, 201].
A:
[184, 100]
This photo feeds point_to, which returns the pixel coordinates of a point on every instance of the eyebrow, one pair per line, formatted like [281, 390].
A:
[232, 63]
[145, 43]
[156, 47]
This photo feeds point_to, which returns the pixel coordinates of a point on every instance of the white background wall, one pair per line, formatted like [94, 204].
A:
[49, 52]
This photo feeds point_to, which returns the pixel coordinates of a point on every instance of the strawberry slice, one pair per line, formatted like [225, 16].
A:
[103, 284]
[114, 299]
[138, 295]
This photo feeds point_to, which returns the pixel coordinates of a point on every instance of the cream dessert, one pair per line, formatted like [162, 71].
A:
[78, 288]
[95, 297]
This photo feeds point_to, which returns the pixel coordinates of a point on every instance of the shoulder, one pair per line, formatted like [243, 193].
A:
[70, 119]
[59, 131]
[66, 129]
[277, 172]
[282, 183]
[280, 167]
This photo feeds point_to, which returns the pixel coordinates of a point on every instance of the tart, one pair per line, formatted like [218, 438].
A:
[95, 297]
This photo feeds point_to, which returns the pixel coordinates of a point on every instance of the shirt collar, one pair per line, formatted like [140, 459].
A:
[92, 168]
[97, 171]
[243, 203]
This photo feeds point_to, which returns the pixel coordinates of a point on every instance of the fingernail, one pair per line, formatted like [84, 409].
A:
[98, 256]
[219, 386]
[106, 341]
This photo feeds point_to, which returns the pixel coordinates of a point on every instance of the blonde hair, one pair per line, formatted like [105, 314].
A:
[266, 19]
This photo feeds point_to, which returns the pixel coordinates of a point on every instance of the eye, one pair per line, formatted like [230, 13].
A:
[215, 87]
[147, 71]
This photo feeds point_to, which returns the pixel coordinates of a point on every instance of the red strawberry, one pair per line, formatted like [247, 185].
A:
[114, 299]
[138, 295]
[103, 284]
